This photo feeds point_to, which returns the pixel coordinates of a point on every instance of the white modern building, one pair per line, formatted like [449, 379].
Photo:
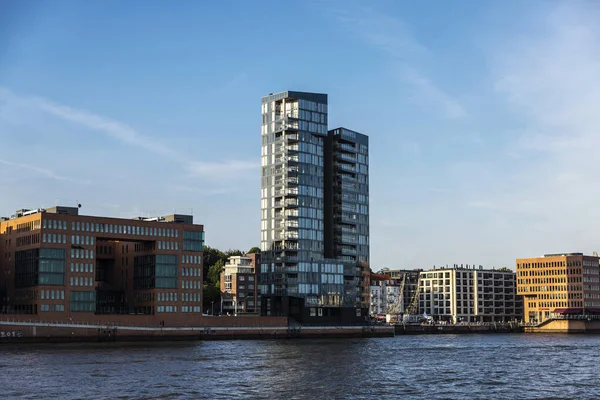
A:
[470, 295]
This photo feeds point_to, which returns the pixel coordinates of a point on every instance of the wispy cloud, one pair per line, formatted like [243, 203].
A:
[43, 172]
[221, 170]
[239, 78]
[126, 134]
[109, 127]
[204, 190]
[393, 37]
[552, 81]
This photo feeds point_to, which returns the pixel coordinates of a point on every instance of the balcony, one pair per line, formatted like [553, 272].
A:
[347, 147]
[291, 137]
[348, 250]
[347, 238]
[291, 203]
[348, 157]
[291, 235]
[347, 178]
[348, 230]
[293, 170]
[347, 167]
[292, 224]
[291, 213]
[348, 207]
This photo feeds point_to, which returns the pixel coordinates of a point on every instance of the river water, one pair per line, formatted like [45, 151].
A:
[494, 366]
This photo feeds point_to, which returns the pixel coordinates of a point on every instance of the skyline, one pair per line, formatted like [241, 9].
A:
[472, 125]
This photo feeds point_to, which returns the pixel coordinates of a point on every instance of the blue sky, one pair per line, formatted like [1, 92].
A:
[483, 116]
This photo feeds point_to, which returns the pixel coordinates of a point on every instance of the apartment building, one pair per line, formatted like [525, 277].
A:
[470, 294]
[314, 213]
[60, 265]
[392, 291]
[239, 286]
[378, 295]
[559, 284]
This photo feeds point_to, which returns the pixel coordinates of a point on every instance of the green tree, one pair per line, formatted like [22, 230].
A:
[211, 294]
[233, 252]
[254, 250]
[212, 255]
[214, 273]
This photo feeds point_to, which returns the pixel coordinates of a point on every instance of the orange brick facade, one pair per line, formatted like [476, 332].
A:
[58, 265]
[559, 283]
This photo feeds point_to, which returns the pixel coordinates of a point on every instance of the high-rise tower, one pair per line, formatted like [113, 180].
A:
[314, 212]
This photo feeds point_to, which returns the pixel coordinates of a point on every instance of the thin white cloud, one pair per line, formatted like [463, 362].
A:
[552, 82]
[204, 190]
[239, 78]
[221, 170]
[423, 87]
[393, 37]
[44, 172]
[128, 135]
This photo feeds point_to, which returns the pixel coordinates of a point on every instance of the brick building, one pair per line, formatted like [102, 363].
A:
[559, 284]
[239, 287]
[59, 265]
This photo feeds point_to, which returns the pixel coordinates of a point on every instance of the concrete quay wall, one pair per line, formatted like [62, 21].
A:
[48, 332]
[566, 326]
[415, 329]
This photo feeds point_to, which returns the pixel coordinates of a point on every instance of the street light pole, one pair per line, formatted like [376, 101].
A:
[212, 305]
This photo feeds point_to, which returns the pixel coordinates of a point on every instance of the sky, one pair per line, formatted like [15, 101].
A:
[482, 116]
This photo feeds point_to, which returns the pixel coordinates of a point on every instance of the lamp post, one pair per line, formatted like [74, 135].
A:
[212, 305]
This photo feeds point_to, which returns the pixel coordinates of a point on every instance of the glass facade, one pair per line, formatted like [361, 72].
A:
[52, 267]
[193, 241]
[305, 251]
[83, 301]
[40, 267]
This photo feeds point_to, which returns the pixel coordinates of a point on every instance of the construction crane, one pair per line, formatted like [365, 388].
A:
[413, 306]
[396, 308]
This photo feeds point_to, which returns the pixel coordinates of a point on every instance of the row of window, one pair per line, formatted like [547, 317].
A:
[81, 281]
[82, 240]
[81, 267]
[52, 294]
[550, 264]
[54, 238]
[190, 309]
[168, 309]
[81, 253]
[54, 224]
[161, 296]
[191, 272]
[52, 307]
[187, 259]
[163, 245]
[171, 309]
[193, 284]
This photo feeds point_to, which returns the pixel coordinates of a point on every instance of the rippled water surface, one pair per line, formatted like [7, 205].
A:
[431, 367]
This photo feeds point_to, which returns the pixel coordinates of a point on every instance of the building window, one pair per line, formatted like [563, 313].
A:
[193, 240]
